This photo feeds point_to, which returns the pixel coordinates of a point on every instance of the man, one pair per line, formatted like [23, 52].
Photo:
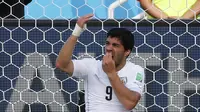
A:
[183, 9]
[111, 85]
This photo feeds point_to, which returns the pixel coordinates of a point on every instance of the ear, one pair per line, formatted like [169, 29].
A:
[127, 53]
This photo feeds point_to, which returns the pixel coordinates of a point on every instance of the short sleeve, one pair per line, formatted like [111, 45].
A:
[137, 83]
[83, 67]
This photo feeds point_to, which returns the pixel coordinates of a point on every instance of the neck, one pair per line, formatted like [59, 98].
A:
[120, 66]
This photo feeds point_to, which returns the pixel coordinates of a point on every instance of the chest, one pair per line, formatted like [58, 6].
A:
[99, 87]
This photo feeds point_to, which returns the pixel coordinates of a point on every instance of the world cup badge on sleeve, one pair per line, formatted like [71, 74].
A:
[139, 77]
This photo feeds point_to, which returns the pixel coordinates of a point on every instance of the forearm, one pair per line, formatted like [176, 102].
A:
[127, 97]
[152, 9]
[65, 53]
[64, 60]
[194, 10]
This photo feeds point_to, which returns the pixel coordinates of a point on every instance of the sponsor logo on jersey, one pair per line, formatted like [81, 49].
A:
[139, 77]
[123, 79]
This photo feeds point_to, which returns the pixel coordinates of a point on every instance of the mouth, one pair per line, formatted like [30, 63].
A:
[111, 54]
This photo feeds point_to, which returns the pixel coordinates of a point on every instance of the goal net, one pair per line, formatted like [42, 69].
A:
[169, 50]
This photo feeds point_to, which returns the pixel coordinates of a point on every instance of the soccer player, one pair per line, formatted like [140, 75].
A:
[112, 84]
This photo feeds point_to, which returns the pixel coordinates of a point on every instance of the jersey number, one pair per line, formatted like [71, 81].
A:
[109, 93]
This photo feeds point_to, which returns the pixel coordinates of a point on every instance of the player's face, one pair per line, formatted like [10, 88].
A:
[114, 46]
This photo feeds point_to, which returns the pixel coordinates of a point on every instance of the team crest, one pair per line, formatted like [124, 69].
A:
[123, 79]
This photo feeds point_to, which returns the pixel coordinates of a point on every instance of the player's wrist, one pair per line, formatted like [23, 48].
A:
[112, 75]
[78, 30]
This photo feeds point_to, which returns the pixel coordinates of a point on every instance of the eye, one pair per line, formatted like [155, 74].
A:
[107, 43]
[116, 45]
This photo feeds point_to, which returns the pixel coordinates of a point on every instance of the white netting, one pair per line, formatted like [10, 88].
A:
[167, 49]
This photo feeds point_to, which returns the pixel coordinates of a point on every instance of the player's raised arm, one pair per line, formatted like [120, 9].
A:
[64, 59]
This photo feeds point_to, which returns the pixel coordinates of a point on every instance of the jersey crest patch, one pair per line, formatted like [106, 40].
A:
[123, 79]
[139, 77]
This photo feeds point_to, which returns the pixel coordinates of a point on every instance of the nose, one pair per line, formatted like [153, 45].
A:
[108, 48]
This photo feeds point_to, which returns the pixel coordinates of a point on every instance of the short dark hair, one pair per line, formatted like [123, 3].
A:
[124, 35]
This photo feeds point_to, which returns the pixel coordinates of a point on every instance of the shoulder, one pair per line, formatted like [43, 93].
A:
[137, 73]
[134, 67]
[87, 62]
[136, 70]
